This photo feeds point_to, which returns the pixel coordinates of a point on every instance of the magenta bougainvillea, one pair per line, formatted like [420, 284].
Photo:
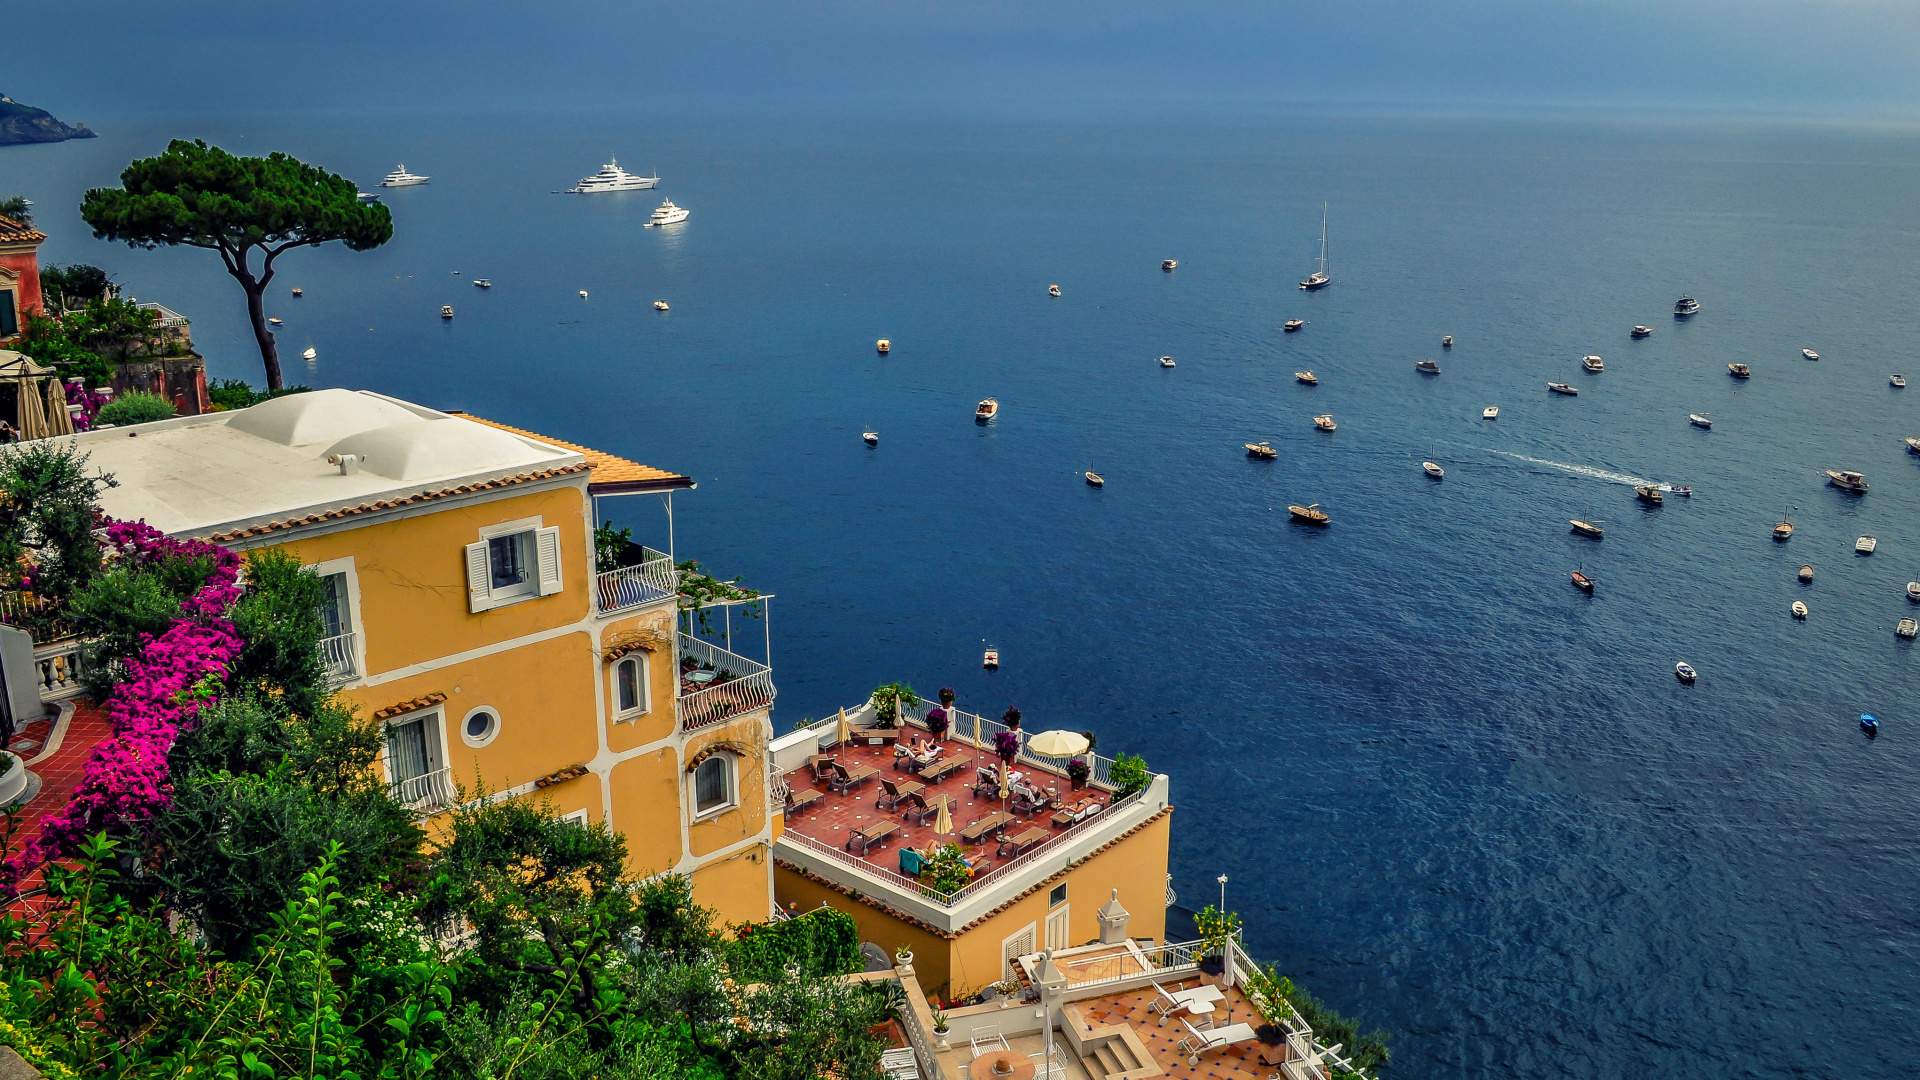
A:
[89, 402]
[126, 780]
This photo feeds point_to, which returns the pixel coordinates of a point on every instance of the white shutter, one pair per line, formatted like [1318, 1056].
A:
[479, 580]
[549, 560]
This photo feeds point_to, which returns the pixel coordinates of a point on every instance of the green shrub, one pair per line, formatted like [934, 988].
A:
[280, 619]
[822, 941]
[1129, 774]
[134, 407]
[46, 505]
[115, 609]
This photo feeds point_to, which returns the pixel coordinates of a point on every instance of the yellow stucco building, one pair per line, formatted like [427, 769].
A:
[468, 617]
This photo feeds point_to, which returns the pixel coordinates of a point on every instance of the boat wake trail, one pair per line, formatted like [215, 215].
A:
[1588, 471]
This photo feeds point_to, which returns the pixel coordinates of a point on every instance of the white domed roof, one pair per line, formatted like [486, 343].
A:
[321, 416]
[417, 449]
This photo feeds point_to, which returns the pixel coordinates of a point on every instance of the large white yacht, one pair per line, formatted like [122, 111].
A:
[400, 177]
[667, 214]
[612, 177]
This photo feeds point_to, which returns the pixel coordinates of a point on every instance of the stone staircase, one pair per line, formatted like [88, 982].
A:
[1110, 1051]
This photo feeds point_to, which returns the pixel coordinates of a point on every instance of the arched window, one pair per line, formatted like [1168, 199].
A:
[713, 784]
[630, 685]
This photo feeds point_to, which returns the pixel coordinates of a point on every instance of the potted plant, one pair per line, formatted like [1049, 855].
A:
[902, 957]
[1077, 771]
[1216, 930]
[946, 697]
[13, 777]
[940, 1030]
[1011, 718]
[1006, 745]
[888, 700]
[937, 723]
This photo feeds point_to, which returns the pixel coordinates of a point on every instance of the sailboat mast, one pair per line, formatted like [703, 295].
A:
[1323, 237]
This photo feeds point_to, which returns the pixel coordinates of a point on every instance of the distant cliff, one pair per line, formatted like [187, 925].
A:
[26, 124]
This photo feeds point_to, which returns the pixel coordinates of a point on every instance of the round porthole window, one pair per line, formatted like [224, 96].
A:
[480, 726]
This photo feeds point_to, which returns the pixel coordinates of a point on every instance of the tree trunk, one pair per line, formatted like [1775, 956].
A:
[257, 311]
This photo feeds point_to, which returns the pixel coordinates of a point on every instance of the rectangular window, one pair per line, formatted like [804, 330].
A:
[407, 751]
[334, 612]
[710, 787]
[507, 562]
[9, 322]
[1058, 895]
[513, 561]
[629, 677]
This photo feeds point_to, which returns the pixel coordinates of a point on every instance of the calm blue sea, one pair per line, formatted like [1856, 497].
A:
[1450, 792]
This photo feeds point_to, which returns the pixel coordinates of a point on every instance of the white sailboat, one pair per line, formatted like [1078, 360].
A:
[1319, 278]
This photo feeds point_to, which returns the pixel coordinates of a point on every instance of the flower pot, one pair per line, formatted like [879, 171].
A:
[1079, 785]
[13, 778]
[940, 1039]
[903, 958]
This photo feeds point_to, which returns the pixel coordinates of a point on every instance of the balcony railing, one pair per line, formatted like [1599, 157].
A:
[338, 653]
[653, 580]
[966, 727]
[58, 669]
[429, 792]
[740, 685]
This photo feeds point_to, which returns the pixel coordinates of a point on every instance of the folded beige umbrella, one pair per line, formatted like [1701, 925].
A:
[1057, 744]
[943, 822]
[842, 734]
[59, 420]
[33, 419]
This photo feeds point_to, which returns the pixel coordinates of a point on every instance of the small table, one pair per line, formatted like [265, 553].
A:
[1201, 1010]
[986, 1066]
[700, 678]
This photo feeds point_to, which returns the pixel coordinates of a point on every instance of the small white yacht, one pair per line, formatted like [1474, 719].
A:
[1592, 363]
[367, 196]
[446, 311]
[1491, 412]
[667, 214]
[309, 354]
[1809, 354]
[400, 177]
[274, 320]
[872, 438]
[1897, 380]
[1907, 628]
[1166, 361]
[1307, 377]
[1685, 306]
[1913, 591]
[1447, 342]
[1913, 446]
[1865, 545]
[1799, 609]
[482, 283]
[1847, 481]
[612, 177]
[660, 305]
[1433, 470]
[1324, 422]
[1699, 421]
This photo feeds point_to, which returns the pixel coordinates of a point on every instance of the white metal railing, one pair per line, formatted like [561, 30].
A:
[429, 792]
[1305, 1053]
[740, 685]
[961, 727]
[977, 885]
[1173, 958]
[57, 668]
[338, 654]
[653, 580]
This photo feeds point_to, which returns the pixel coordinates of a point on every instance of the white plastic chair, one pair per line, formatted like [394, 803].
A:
[988, 1036]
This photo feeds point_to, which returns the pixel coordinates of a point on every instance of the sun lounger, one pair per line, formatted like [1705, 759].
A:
[848, 779]
[892, 794]
[801, 800]
[1166, 1003]
[1021, 844]
[938, 772]
[986, 826]
[871, 836]
[1199, 1042]
[899, 1064]
[921, 809]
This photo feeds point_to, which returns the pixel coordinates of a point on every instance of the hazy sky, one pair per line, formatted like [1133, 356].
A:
[1820, 57]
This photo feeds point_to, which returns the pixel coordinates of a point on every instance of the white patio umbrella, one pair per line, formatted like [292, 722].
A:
[1057, 744]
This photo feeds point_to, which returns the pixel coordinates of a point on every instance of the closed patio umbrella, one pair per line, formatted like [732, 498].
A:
[1057, 744]
[33, 418]
[59, 420]
[943, 822]
[842, 734]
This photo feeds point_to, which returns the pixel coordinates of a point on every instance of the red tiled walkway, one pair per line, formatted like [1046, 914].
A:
[60, 772]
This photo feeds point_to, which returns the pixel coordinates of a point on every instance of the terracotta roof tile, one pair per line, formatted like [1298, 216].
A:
[387, 504]
[12, 232]
[611, 475]
[398, 708]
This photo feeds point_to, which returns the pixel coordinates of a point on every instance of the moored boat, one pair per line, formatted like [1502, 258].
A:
[1847, 481]
[1582, 582]
[1491, 412]
[1169, 264]
[1685, 671]
[274, 321]
[872, 437]
[1647, 493]
[1740, 371]
[482, 283]
[297, 292]
[1783, 531]
[990, 659]
[1426, 367]
[1799, 609]
[1563, 388]
[1699, 420]
[1685, 306]
[446, 311]
[1913, 591]
[1319, 279]
[1865, 545]
[1869, 723]
[1262, 450]
[666, 214]
[1642, 331]
[1053, 290]
[987, 410]
[1587, 528]
[1593, 363]
[1806, 573]
[1293, 324]
[1312, 515]
[1433, 470]
[1311, 379]
[1094, 479]
[1447, 342]
[660, 305]
[1913, 446]
[1809, 354]
[1907, 628]
[1166, 361]
[1324, 422]
[1898, 382]
[882, 346]
[309, 354]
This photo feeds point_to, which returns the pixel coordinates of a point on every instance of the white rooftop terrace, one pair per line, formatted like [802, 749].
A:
[200, 474]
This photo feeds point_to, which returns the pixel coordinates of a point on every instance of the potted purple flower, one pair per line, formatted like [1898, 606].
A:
[1077, 771]
[1006, 745]
[1011, 718]
[946, 697]
[937, 722]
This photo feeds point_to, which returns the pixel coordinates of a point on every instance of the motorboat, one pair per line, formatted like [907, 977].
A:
[482, 283]
[1324, 422]
[1869, 723]
[612, 177]
[400, 177]
[1312, 515]
[1913, 591]
[1907, 628]
[1311, 379]
[872, 438]
[1740, 371]
[275, 321]
[1582, 582]
[1167, 361]
[1563, 388]
[1809, 354]
[1913, 446]
[1865, 545]
[987, 410]
[583, 294]
[990, 659]
[1587, 528]
[1799, 609]
[310, 354]
[1319, 279]
[1169, 264]
[666, 214]
[367, 196]
[1783, 531]
[1433, 470]
[1683, 492]
[1094, 479]
[1642, 331]
[446, 311]
[660, 305]
[1699, 420]
[297, 292]
[1898, 382]
[1806, 573]
[1426, 367]
[1262, 450]
[1053, 290]
[1685, 306]
[1685, 672]
[1292, 325]
[881, 346]
[1647, 493]
[1593, 363]
[1447, 342]
[1491, 412]
[1847, 481]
